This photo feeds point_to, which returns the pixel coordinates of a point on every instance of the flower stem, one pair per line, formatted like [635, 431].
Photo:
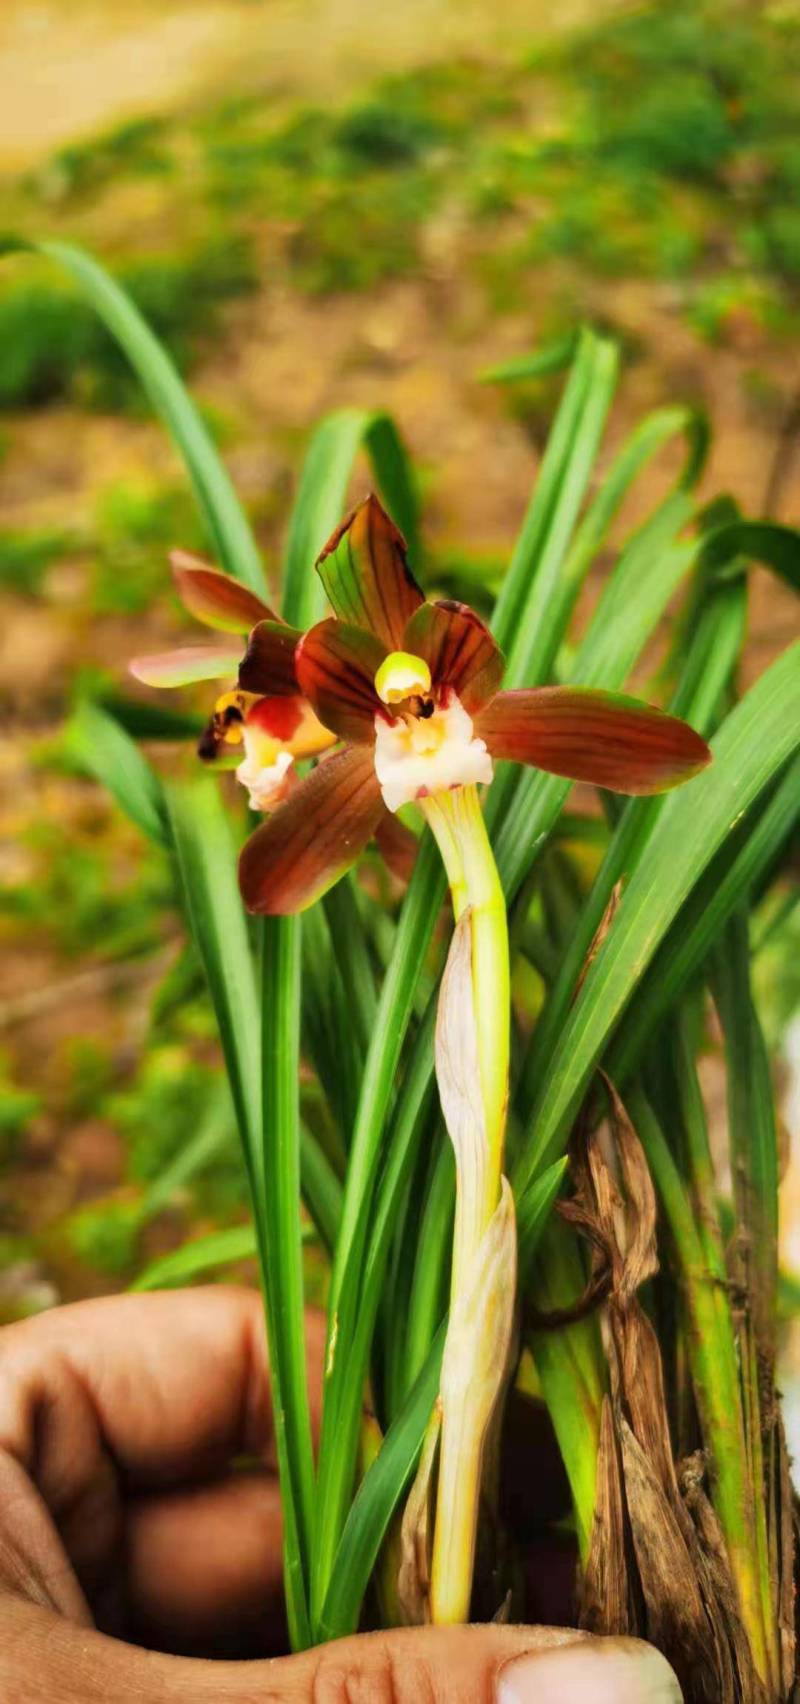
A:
[457, 822]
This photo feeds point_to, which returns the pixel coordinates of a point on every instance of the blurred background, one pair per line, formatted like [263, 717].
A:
[318, 203]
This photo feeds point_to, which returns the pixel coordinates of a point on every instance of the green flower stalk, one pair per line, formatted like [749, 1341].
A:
[457, 821]
[472, 1049]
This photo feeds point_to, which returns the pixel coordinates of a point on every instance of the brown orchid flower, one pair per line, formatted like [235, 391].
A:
[412, 689]
[265, 723]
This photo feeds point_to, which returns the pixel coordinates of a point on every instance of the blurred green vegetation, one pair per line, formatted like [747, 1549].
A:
[54, 347]
[663, 143]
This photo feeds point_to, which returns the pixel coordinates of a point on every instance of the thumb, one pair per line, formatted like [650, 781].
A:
[43, 1657]
[470, 1665]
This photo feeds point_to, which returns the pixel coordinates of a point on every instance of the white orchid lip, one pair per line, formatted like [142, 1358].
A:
[416, 756]
[266, 770]
[266, 784]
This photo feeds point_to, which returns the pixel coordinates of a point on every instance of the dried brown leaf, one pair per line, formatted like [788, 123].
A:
[600, 933]
[414, 1577]
[669, 1580]
[606, 1602]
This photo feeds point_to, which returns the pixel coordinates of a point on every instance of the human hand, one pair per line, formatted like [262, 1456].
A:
[125, 1524]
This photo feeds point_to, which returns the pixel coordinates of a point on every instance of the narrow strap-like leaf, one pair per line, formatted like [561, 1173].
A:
[752, 746]
[200, 1255]
[229, 531]
[104, 749]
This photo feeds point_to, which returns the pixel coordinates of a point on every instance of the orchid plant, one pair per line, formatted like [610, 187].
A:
[579, 1034]
[411, 690]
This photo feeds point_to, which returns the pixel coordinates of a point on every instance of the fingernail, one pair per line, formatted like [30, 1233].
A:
[601, 1671]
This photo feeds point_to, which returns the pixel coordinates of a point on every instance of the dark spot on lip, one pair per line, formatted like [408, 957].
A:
[426, 709]
[208, 743]
[231, 714]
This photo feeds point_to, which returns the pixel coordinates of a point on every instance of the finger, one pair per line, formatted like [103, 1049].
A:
[603, 1671]
[174, 1383]
[205, 1574]
[42, 1658]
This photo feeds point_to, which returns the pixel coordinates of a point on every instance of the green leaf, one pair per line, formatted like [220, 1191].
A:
[535, 1208]
[203, 1254]
[775, 546]
[207, 865]
[712, 656]
[753, 744]
[650, 568]
[104, 750]
[283, 1263]
[228, 528]
[415, 928]
[570, 1365]
[715, 1370]
[752, 1134]
[384, 1483]
[422, 1263]
[378, 1496]
[522, 624]
[357, 1243]
[322, 1191]
[740, 863]
[549, 358]
[350, 952]
[394, 473]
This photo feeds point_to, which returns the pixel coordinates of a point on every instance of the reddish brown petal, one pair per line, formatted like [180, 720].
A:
[216, 598]
[459, 650]
[603, 737]
[336, 667]
[366, 575]
[309, 842]
[187, 663]
[397, 845]
[268, 665]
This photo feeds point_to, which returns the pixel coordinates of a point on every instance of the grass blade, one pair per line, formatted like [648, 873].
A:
[729, 877]
[97, 742]
[775, 546]
[549, 483]
[207, 865]
[753, 744]
[283, 1257]
[752, 1133]
[715, 1371]
[228, 527]
[646, 576]
[548, 358]
[708, 667]
[201, 1255]
[378, 1496]
[570, 1365]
